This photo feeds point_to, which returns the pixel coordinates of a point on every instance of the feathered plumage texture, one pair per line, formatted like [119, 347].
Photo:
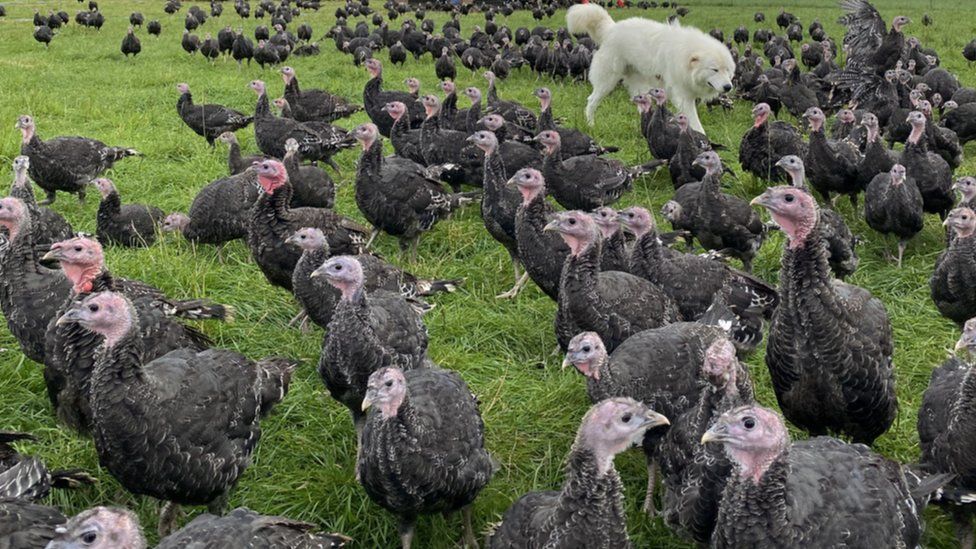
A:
[220, 212]
[209, 121]
[374, 98]
[245, 528]
[132, 225]
[315, 105]
[953, 282]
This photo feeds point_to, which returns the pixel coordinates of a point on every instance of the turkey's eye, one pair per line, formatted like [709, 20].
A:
[93, 308]
[586, 349]
[389, 383]
[89, 537]
[338, 267]
[788, 198]
[572, 221]
[626, 418]
[749, 423]
[77, 248]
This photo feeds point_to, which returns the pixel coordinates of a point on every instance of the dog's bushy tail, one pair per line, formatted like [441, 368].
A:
[589, 19]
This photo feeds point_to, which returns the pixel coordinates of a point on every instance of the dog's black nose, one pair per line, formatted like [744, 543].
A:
[727, 87]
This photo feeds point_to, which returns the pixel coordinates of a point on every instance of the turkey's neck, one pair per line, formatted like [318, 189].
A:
[429, 128]
[449, 107]
[374, 86]
[110, 205]
[546, 121]
[805, 271]
[474, 114]
[20, 254]
[274, 207]
[185, 100]
[591, 501]
[235, 162]
[494, 181]
[292, 87]
[291, 164]
[118, 369]
[647, 248]
[962, 425]
[83, 277]
[754, 465]
[23, 191]
[371, 161]
[399, 130]
[263, 108]
[581, 269]
[798, 178]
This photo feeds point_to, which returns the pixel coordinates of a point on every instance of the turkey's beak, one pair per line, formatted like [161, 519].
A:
[966, 341]
[947, 222]
[293, 240]
[72, 315]
[653, 419]
[779, 163]
[511, 181]
[54, 254]
[696, 162]
[761, 200]
[471, 138]
[552, 225]
[368, 399]
[317, 273]
[718, 433]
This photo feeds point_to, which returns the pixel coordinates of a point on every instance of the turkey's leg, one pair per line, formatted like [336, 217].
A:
[649, 506]
[167, 518]
[300, 317]
[902, 244]
[217, 506]
[521, 277]
[81, 196]
[372, 237]
[469, 540]
[51, 197]
[406, 528]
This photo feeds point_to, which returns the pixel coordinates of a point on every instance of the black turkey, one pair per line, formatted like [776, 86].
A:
[785, 494]
[50, 226]
[930, 171]
[315, 105]
[766, 142]
[953, 282]
[367, 332]
[853, 393]
[311, 185]
[66, 164]
[208, 121]
[831, 165]
[542, 253]
[131, 225]
[414, 459]
[219, 213]
[893, 205]
[237, 162]
[616, 254]
[245, 528]
[271, 132]
[588, 510]
[204, 404]
[374, 98]
[613, 304]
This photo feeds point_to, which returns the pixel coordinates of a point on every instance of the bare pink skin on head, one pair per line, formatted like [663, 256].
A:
[100, 528]
[794, 167]
[587, 354]
[917, 120]
[345, 273]
[484, 140]
[846, 116]
[899, 22]
[473, 94]
[710, 161]
[291, 147]
[183, 87]
[21, 165]
[545, 98]
[493, 122]
[386, 390]
[106, 313]
[413, 85]
[962, 221]
[271, 175]
[606, 221]
[550, 140]
[176, 221]
[793, 209]
[257, 86]
[643, 102]
[721, 364]
[870, 123]
[967, 187]
[227, 137]
[897, 174]
[577, 229]
[81, 258]
[104, 185]
[816, 118]
[659, 95]
[760, 113]
[13, 213]
[374, 67]
[967, 340]
[287, 74]
[25, 124]
[448, 87]
[308, 239]
[530, 183]
[395, 109]
[754, 437]
[431, 104]
[614, 425]
[682, 121]
[490, 77]
[365, 134]
[638, 221]
[280, 103]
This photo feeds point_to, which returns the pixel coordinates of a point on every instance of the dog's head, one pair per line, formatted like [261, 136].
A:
[712, 70]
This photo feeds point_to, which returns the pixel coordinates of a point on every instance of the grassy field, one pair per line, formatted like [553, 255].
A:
[303, 467]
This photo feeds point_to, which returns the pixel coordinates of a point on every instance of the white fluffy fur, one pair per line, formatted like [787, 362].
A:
[644, 54]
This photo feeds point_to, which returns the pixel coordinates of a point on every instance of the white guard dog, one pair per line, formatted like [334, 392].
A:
[645, 54]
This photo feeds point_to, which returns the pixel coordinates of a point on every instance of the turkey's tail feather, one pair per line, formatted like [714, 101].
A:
[199, 309]
[70, 479]
[430, 287]
[274, 374]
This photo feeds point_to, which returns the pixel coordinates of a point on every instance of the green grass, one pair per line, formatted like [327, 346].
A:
[303, 467]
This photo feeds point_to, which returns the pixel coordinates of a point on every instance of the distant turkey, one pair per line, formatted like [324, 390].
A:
[208, 121]
[132, 225]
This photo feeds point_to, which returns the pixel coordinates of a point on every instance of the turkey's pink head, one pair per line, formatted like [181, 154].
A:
[614, 425]
[753, 437]
[789, 64]
[950, 105]
[936, 99]
[366, 134]
[966, 187]
[897, 174]
[681, 119]
[413, 85]
[760, 113]
[257, 86]
[100, 528]
[659, 95]
[898, 22]
[25, 123]
[21, 165]
[967, 340]
[280, 103]
[484, 140]
[793, 209]
[793, 166]
[183, 87]
[448, 87]
[846, 116]
[431, 104]
[577, 229]
[309, 239]
[643, 102]
[816, 118]
[636, 220]
[529, 182]
[710, 161]
[106, 313]
[917, 120]
[671, 210]
[606, 220]
[271, 175]
[176, 221]
[720, 365]
[374, 67]
[291, 146]
[386, 390]
[490, 77]
[81, 259]
[13, 215]
[227, 137]
[493, 122]
[870, 123]
[587, 354]
[924, 106]
[550, 139]
[474, 94]
[287, 74]
[544, 96]
[962, 221]
[104, 186]
[395, 109]
[343, 272]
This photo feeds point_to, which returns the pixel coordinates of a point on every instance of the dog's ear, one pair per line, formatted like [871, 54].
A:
[694, 60]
